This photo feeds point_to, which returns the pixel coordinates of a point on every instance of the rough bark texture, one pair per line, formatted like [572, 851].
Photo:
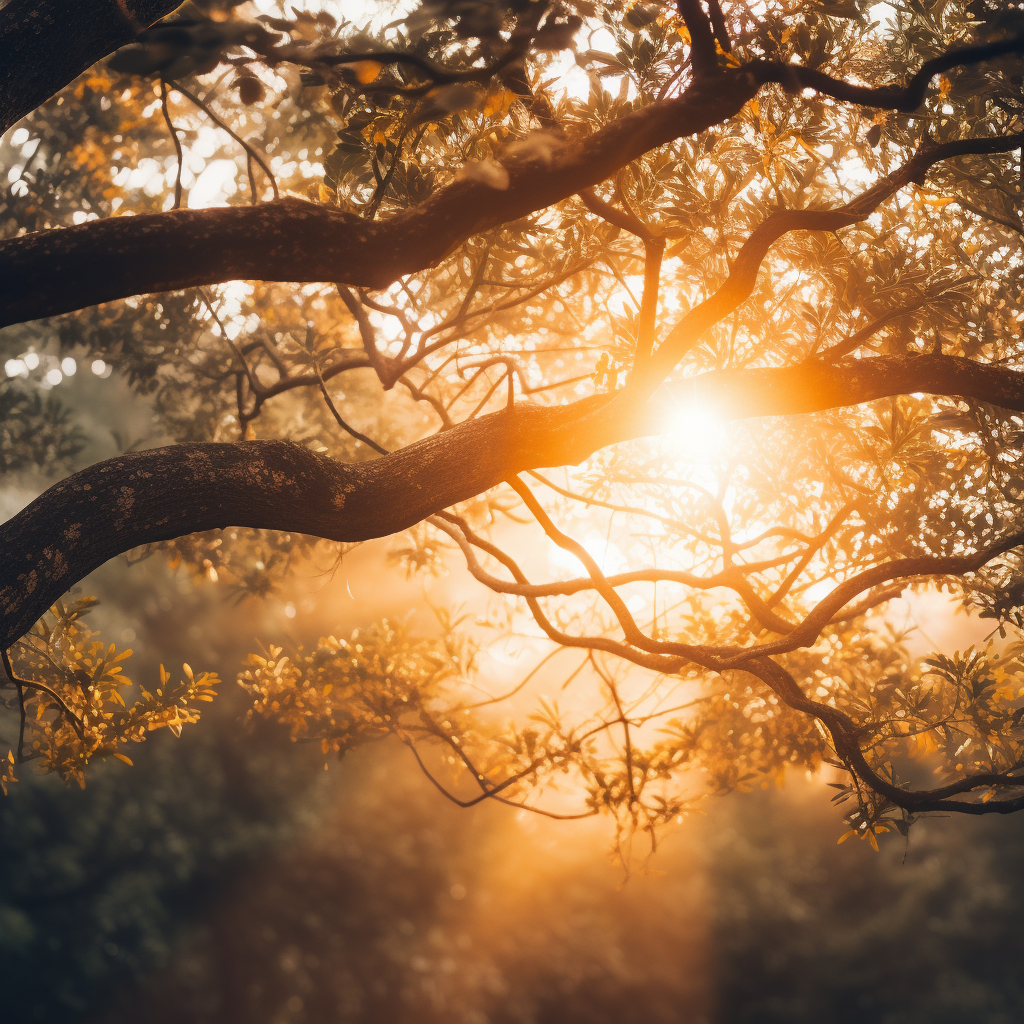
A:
[109, 508]
[57, 271]
[167, 492]
[44, 44]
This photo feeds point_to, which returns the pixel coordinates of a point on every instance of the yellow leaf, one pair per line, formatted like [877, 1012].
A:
[810, 149]
[499, 102]
[845, 836]
[944, 85]
[873, 841]
[328, 688]
[122, 757]
[366, 70]
[732, 61]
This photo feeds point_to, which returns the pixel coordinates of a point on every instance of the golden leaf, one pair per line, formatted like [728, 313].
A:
[499, 102]
[366, 70]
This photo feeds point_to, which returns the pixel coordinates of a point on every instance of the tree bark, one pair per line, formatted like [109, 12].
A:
[164, 493]
[57, 271]
[45, 44]
[141, 497]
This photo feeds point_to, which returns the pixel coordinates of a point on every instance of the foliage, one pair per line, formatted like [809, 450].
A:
[35, 432]
[705, 552]
[72, 696]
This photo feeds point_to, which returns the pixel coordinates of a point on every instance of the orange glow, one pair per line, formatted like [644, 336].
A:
[696, 428]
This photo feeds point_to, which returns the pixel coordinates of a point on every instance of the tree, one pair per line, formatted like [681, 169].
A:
[748, 279]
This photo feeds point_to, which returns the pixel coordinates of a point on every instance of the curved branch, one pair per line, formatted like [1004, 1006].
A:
[163, 493]
[56, 271]
[48, 43]
[844, 735]
[906, 98]
[148, 496]
[739, 285]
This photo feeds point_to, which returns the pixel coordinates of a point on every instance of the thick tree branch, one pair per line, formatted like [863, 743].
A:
[703, 55]
[156, 495]
[50, 272]
[57, 271]
[45, 44]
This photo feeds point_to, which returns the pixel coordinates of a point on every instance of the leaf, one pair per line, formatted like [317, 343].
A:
[135, 60]
[122, 757]
[251, 90]
[442, 101]
[366, 71]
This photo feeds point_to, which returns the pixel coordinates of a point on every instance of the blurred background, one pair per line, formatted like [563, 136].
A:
[227, 877]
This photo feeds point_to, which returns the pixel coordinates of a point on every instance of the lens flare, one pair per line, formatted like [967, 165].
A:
[696, 429]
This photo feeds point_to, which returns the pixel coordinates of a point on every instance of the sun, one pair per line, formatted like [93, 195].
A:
[696, 428]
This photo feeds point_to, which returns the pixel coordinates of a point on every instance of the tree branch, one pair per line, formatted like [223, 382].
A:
[703, 55]
[57, 271]
[739, 285]
[906, 98]
[155, 495]
[48, 43]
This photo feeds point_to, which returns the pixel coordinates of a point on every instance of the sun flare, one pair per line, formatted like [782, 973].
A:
[697, 429]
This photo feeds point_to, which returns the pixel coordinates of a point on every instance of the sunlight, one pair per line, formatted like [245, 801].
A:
[601, 549]
[696, 429]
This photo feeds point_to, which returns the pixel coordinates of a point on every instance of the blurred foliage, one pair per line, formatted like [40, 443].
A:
[35, 432]
[223, 881]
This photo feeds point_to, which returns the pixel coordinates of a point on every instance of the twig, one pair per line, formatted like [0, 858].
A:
[337, 415]
[176, 140]
[250, 153]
